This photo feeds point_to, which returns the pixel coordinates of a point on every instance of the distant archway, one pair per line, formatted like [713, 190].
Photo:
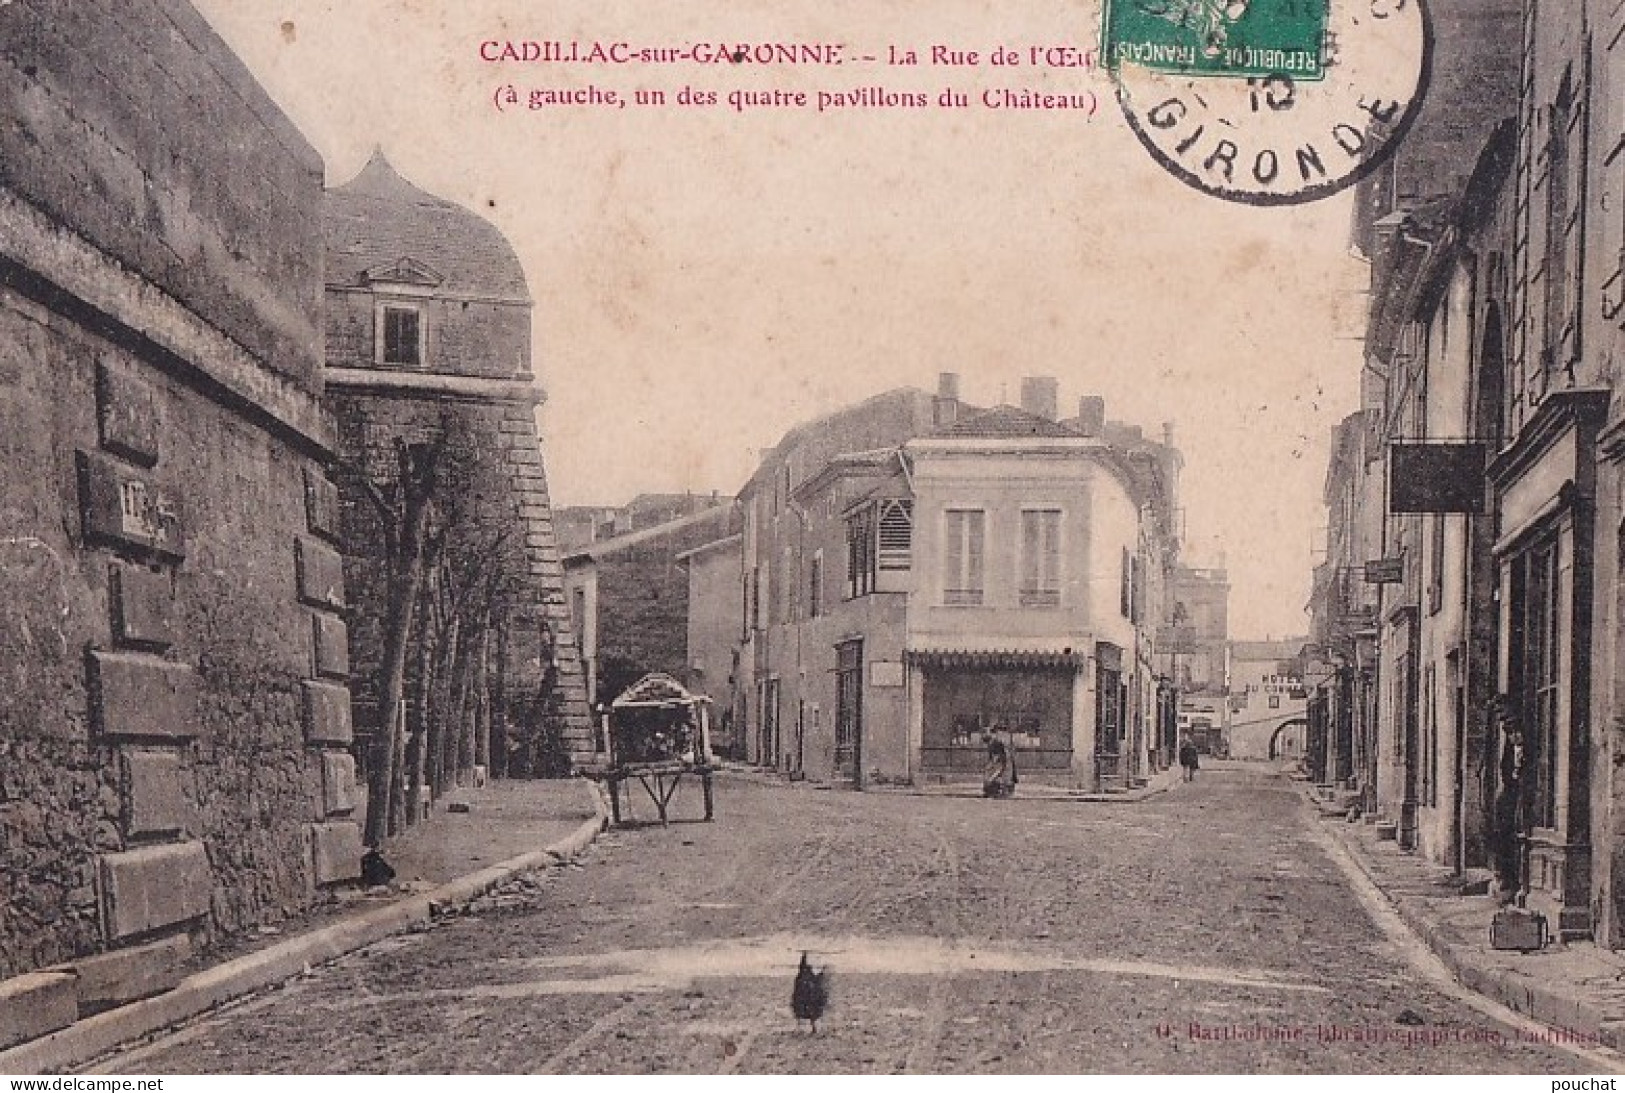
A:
[1275, 737]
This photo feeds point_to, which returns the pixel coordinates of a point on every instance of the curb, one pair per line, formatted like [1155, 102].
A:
[94, 1036]
[1518, 994]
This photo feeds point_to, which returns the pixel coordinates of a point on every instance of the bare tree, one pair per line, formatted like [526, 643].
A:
[407, 513]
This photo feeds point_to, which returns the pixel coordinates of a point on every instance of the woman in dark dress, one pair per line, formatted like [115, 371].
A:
[999, 776]
[1190, 759]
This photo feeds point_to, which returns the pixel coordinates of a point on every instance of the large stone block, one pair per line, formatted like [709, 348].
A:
[335, 852]
[330, 646]
[321, 504]
[338, 783]
[321, 573]
[143, 606]
[36, 1004]
[129, 413]
[134, 695]
[327, 714]
[154, 887]
[128, 975]
[125, 506]
[156, 802]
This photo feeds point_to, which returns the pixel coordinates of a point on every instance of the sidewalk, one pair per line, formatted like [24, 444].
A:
[1579, 987]
[511, 827]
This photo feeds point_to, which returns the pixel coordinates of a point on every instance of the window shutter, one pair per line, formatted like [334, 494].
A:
[1052, 551]
[1125, 582]
[1032, 565]
[896, 535]
[973, 548]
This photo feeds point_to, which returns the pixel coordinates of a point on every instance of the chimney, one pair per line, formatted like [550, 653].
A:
[1039, 396]
[945, 407]
[1091, 415]
[1167, 434]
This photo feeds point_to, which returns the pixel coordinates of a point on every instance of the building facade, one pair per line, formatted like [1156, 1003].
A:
[576, 526]
[629, 599]
[1492, 416]
[1341, 655]
[1268, 701]
[1197, 644]
[918, 572]
[715, 629]
[172, 751]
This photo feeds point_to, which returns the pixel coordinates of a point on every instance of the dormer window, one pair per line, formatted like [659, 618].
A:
[400, 335]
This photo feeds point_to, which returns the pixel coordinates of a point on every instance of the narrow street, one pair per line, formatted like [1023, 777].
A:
[963, 935]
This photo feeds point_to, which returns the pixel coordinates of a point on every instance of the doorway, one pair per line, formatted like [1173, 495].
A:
[849, 711]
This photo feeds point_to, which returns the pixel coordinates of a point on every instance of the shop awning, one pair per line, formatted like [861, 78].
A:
[998, 656]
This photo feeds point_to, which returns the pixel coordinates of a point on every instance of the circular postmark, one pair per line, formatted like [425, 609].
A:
[1268, 102]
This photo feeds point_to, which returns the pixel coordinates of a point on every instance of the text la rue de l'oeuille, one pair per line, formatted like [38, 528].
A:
[539, 74]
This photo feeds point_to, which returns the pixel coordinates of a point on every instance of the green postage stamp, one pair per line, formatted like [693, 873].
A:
[1217, 37]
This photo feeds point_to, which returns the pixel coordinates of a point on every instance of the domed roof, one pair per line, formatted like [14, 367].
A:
[378, 221]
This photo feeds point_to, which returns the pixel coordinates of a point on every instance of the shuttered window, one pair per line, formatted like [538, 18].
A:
[896, 535]
[1125, 595]
[963, 557]
[403, 336]
[1040, 558]
[860, 553]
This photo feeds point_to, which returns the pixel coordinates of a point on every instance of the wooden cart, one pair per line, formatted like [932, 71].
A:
[655, 733]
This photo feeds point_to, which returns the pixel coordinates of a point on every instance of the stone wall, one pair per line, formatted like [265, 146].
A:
[131, 121]
[643, 604]
[470, 337]
[156, 650]
[170, 724]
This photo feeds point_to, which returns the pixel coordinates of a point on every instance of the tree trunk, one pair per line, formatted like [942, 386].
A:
[473, 685]
[440, 709]
[452, 740]
[499, 705]
[415, 487]
[420, 715]
[482, 709]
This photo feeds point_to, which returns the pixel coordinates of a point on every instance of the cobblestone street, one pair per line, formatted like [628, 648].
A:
[1205, 929]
